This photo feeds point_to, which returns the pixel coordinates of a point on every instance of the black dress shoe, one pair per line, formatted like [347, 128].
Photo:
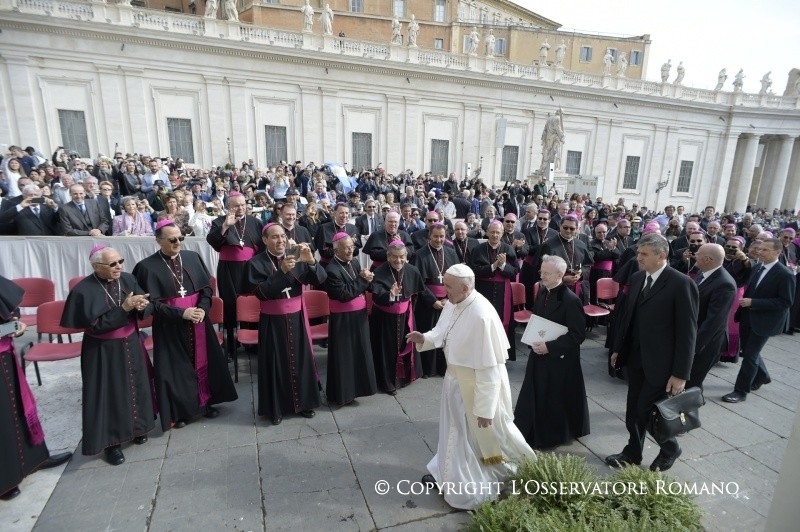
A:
[620, 460]
[277, 420]
[308, 413]
[664, 462]
[758, 383]
[429, 481]
[734, 397]
[138, 440]
[114, 455]
[179, 424]
[10, 494]
[391, 392]
[55, 460]
[211, 412]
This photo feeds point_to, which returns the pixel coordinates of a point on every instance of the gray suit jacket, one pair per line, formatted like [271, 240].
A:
[73, 222]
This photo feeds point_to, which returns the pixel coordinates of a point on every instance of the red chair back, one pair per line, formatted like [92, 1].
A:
[146, 322]
[38, 290]
[74, 281]
[607, 288]
[248, 309]
[216, 311]
[213, 286]
[517, 294]
[535, 291]
[50, 319]
[316, 304]
[368, 297]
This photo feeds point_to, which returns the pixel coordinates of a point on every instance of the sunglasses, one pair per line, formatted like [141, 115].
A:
[544, 219]
[730, 248]
[432, 220]
[113, 264]
[175, 239]
[509, 221]
[569, 228]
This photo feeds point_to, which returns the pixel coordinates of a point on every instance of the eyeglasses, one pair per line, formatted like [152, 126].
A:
[432, 219]
[175, 239]
[544, 219]
[509, 221]
[113, 264]
[565, 228]
[105, 189]
[370, 206]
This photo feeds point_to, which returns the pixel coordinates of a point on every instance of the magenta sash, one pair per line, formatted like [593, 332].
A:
[236, 254]
[200, 347]
[358, 303]
[605, 265]
[498, 278]
[376, 263]
[398, 308]
[124, 332]
[438, 290]
[529, 260]
[35, 431]
[281, 307]
[733, 329]
[626, 288]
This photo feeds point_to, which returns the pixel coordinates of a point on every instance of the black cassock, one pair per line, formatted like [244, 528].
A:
[323, 240]
[552, 408]
[495, 286]
[18, 456]
[396, 361]
[529, 271]
[233, 262]
[287, 373]
[431, 265]
[178, 382]
[378, 242]
[116, 372]
[464, 249]
[351, 369]
[577, 256]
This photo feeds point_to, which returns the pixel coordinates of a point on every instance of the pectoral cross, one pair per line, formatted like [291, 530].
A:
[182, 291]
[440, 278]
[286, 291]
[241, 243]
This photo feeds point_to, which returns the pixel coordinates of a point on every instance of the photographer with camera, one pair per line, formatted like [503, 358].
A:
[34, 215]
[685, 260]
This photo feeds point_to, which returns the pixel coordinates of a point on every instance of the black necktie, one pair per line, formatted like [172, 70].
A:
[35, 210]
[647, 286]
[699, 278]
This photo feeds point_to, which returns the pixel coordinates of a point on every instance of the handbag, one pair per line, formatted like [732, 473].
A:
[675, 415]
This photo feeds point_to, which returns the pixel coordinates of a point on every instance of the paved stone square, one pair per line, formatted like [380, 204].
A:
[239, 472]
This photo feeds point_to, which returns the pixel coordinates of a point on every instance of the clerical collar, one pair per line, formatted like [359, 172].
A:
[342, 262]
[173, 257]
[494, 247]
[555, 287]
[467, 300]
[566, 239]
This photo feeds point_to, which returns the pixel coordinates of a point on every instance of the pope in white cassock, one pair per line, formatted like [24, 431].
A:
[479, 444]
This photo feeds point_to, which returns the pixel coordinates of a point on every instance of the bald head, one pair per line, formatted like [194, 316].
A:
[710, 256]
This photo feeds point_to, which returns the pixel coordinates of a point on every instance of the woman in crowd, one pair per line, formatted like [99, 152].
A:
[13, 171]
[310, 219]
[172, 212]
[132, 222]
[201, 220]
[280, 185]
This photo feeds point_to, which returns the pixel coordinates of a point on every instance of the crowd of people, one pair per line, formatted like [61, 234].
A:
[695, 289]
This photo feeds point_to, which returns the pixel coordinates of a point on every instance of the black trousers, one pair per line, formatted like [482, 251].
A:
[641, 397]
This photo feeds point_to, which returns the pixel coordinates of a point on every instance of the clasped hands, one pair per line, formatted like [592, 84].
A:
[135, 301]
[194, 314]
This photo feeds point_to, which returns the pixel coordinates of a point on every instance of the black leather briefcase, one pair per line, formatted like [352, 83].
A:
[675, 415]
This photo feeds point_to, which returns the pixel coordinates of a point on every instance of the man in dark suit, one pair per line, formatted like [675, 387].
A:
[657, 336]
[81, 216]
[363, 223]
[763, 312]
[32, 216]
[717, 291]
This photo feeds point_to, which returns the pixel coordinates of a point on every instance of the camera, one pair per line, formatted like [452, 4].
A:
[293, 251]
[38, 200]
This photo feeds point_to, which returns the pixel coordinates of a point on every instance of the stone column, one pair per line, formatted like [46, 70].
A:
[331, 140]
[723, 166]
[793, 183]
[310, 110]
[414, 130]
[781, 174]
[394, 133]
[241, 149]
[745, 179]
[112, 128]
[213, 145]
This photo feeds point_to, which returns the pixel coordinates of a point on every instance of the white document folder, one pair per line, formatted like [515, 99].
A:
[540, 329]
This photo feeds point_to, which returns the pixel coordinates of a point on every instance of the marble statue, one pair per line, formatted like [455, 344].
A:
[622, 65]
[397, 37]
[231, 13]
[561, 51]
[474, 39]
[490, 44]
[608, 60]
[796, 87]
[681, 72]
[326, 18]
[738, 81]
[308, 17]
[211, 9]
[543, 49]
[552, 141]
[766, 83]
[723, 75]
[413, 32]
[665, 68]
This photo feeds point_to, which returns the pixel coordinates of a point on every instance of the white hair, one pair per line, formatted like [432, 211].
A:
[558, 262]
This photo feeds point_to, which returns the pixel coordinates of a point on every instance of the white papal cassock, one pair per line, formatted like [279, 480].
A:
[471, 461]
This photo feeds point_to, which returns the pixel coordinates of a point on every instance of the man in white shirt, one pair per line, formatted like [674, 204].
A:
[478, 441]
[445, 204]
